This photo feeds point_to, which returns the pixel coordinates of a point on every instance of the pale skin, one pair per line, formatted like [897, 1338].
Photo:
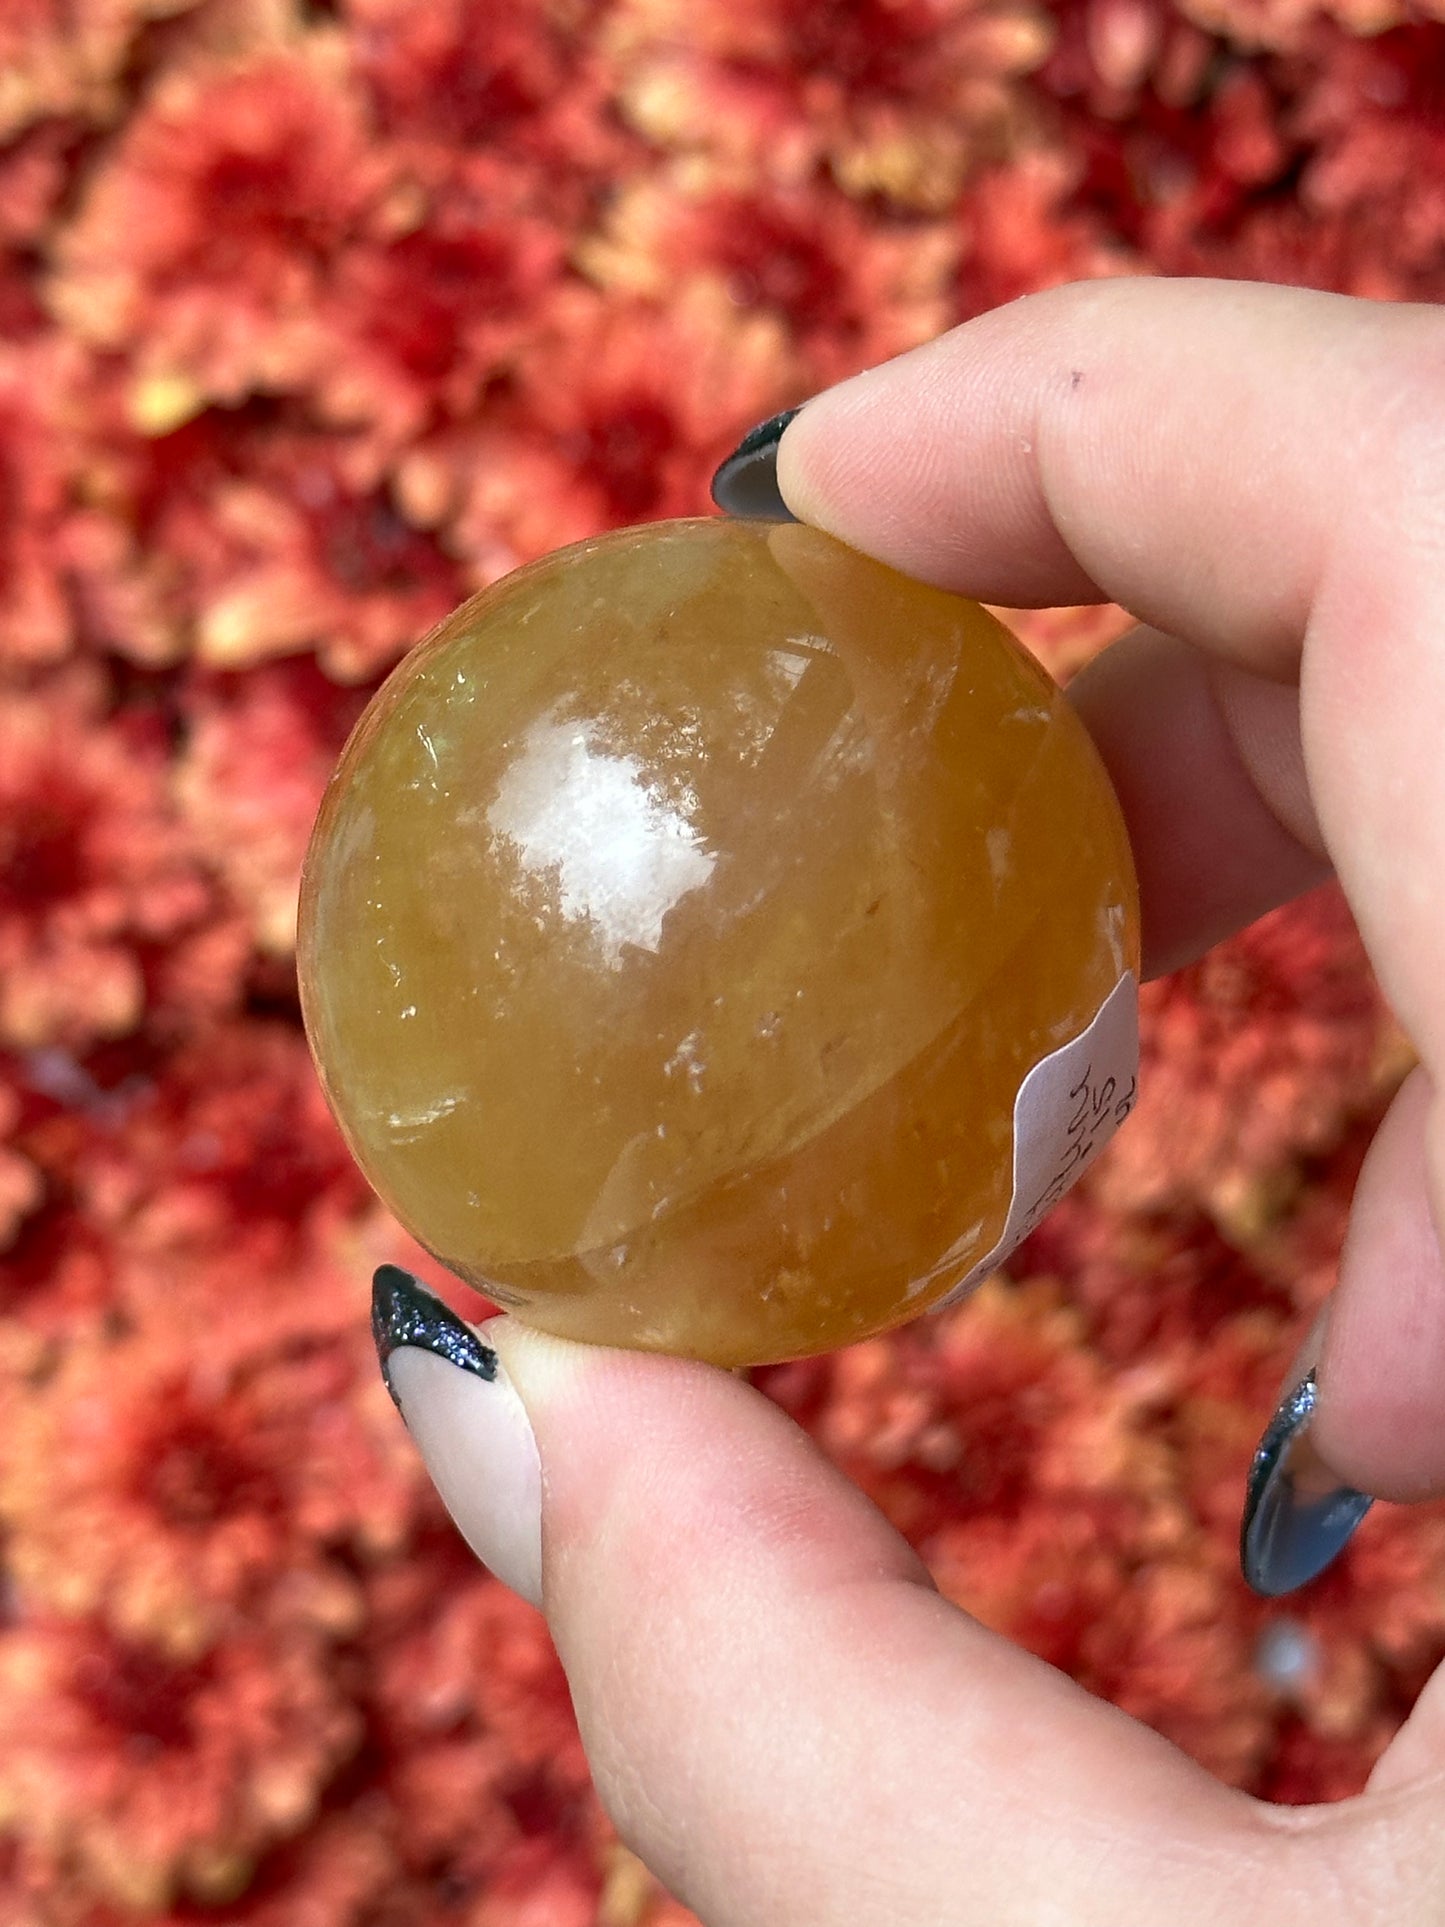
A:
[786, 1721]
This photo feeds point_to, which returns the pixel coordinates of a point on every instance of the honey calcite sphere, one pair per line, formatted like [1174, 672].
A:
[715, 942]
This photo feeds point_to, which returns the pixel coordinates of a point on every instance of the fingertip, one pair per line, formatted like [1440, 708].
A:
[929, 463]
[1382, 1364]
[477, 1443]
[687, 1464]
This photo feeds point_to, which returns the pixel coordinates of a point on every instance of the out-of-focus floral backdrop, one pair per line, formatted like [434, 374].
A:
[313, 319]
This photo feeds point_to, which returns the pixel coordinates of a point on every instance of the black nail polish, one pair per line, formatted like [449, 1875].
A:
[746, 484]
[1297, 1514]
[404, 1312]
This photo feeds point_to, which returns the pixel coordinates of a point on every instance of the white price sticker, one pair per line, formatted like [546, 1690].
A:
[1068, 1107]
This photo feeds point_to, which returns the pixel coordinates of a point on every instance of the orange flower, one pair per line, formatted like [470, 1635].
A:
[32, 184]
[423, 318]
[149, 1777]
[1254, 1058]
[172, 1493]
[851, 288]
[464, 77]
[207, 239]
[58, 1278]
[39, 463]
[290, 557]
[1022, 231]
[1284, 25]
[259, 751]
[1370, 114]
[63, 59]
[221, 1174]
[617, 414]
[21, 1185]
[93, 865]
[490, 1781]
[898, 100]
[341, 1872]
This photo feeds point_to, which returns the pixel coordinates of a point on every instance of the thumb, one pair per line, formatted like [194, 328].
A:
[784, 1718]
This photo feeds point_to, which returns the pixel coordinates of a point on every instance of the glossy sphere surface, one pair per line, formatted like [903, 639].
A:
[680, 923]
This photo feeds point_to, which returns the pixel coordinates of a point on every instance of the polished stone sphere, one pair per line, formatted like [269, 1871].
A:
[715, 942]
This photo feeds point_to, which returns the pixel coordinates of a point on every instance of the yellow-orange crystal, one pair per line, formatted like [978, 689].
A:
[681, 922]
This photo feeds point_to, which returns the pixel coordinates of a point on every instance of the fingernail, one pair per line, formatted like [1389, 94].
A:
[1298, 1514]
[746, 484]
[469, 1425]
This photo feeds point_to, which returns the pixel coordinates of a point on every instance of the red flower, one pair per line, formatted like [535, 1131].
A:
[987, 1410]
[222, 1179]
[260, 750]
[424, 316]
[317, 317]
[852, 289]
[58, 1271]
[463, 77]
[1126, 60]
[473, 1654]
[1373, 115]
[39, 462]
[160, 1488]
[21, 1184]
[1178, 150]
[1022, 232]
[59, 59]
[151, 1777]
[245, 534]
[898, 100]
[93, 866]
[206, 241]
[1254, 1058]
[340, 1872]
[292, 558]
[1317, 168]
[618, 414]
[33, 180]
[77, 561]
[490, 1784]
[1281, 25]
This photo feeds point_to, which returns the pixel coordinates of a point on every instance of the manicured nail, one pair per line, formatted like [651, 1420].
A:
[469, 1425]
[746, 484]
[1298, 1514]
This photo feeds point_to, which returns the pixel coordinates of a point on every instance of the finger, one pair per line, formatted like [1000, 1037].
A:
[1261, 472]
[1174, 727]
[784, 1719]
[1184, 448]
[1360, 1414]
[789, 1724]
[1379, 1420]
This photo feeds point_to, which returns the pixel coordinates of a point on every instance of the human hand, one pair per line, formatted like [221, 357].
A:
[786, 1721]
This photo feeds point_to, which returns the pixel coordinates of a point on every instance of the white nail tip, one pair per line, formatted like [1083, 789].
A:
[476, 1440]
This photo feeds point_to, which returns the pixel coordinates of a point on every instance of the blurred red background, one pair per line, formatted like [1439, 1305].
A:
[313, 319]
